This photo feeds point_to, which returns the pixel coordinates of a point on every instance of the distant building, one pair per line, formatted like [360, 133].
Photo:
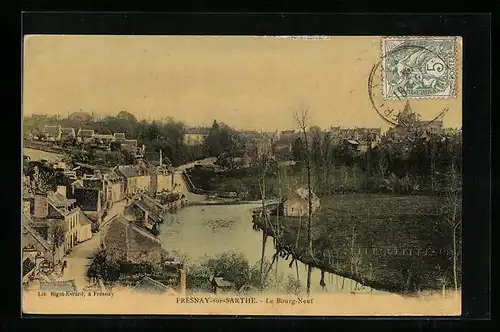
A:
[246, 160]
[52, 133]
[119, 137]
[162, 179]
[194, 136]
[113, 188]
[127, 243]
[130, 145]
[297, 203]
[409, 124]
[102, 140]
[85, 135]
[352, 145]
[135, 179]
[68, 133]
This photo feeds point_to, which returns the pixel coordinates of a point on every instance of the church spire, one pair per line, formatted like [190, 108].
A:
[407, 117]
[407, 109]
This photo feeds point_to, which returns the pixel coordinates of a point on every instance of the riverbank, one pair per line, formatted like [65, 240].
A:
[387, 242]
[224, 202]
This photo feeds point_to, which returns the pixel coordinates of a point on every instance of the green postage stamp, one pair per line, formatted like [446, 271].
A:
[419, 67]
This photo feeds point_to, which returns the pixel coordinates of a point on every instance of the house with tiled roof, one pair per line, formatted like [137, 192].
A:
[33, 241]
[136, 179]
[43, 214]
[297, 203]
[64, 212]
[150, 286]
[195, 136]
[68, 133]
[128, 243]
[221, 285]
[85, 135]
[119, 137]
[130, 145]
[52, 133]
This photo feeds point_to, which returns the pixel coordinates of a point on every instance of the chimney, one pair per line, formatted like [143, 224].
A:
[161, 158]
[182, 280]
[61, 190]
[41, 208]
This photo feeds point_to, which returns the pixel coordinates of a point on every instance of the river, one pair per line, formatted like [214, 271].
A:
[201, 231]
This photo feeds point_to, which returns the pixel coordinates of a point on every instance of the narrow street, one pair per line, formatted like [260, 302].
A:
[80, 257]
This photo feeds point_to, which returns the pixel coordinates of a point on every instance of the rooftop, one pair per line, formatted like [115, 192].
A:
[54, 130]
[199, 131]
[88, 198]
[83, 220]
[130, 170]
[126, 241]
[28, 230]
[304, 193]
[221, 282]
[146, 207]
[68, 130]
[86, 132]
[103, 136]
[149, 285]
[59, 200]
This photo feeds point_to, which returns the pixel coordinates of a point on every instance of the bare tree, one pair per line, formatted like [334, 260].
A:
[302, 120]
[433, 157]
[452, 211]
[264, 163]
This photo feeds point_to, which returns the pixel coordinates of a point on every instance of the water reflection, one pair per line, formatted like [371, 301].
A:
[201, 231]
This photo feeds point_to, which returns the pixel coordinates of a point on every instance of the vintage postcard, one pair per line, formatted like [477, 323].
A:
[242, 175]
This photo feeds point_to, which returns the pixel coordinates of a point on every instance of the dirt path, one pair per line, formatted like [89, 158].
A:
[79, 260]
[80, 257]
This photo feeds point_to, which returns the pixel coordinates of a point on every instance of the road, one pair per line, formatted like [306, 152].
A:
[205, 161]
[80, 257]
[182, 187]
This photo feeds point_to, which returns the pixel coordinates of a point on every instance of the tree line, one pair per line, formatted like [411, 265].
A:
[415, 164]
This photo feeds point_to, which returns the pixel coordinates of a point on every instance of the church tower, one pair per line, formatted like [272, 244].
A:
[407, 117]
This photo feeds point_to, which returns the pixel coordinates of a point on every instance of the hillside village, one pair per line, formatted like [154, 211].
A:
[109, 191]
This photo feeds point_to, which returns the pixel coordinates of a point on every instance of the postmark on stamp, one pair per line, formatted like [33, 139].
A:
[418, 67]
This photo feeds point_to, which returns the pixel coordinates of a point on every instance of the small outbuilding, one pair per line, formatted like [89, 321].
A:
[297, 203]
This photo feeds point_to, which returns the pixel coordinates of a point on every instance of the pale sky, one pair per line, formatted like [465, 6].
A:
[246, 82]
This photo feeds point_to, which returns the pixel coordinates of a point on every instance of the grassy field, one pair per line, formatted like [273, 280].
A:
[38, 155]
[398, 243]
